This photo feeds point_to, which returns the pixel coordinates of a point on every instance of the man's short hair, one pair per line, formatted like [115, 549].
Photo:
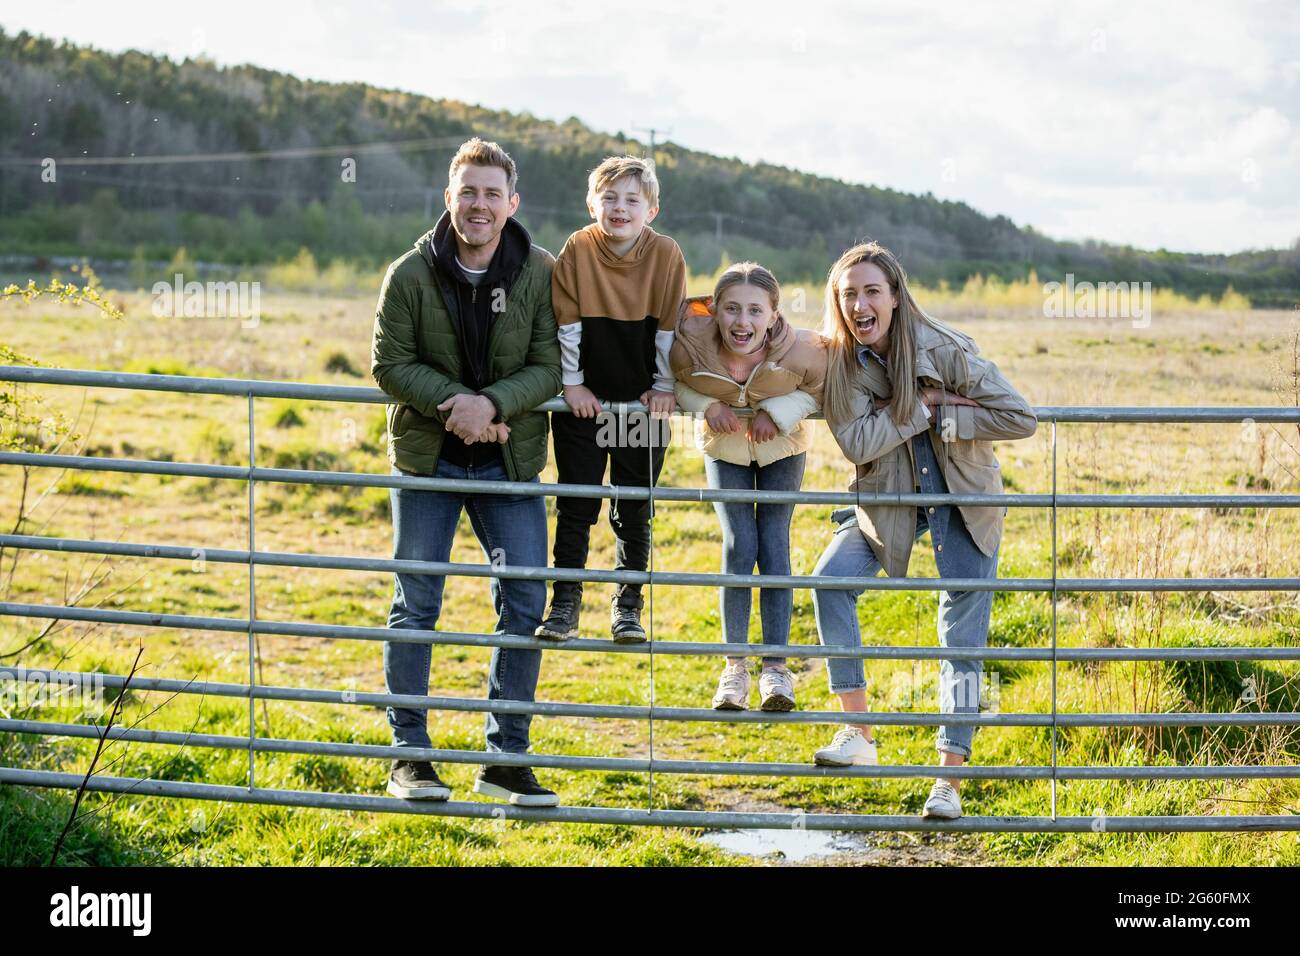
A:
[478, 152]
[614, 168]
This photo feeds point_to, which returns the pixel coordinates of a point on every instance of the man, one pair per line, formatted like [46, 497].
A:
[465, 343]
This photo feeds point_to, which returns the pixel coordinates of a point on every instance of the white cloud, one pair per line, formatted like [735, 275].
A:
[1153, 124]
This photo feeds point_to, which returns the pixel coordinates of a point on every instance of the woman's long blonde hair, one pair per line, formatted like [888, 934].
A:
[901, 362]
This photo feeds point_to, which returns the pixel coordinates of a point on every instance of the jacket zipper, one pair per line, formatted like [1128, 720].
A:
[727, 378]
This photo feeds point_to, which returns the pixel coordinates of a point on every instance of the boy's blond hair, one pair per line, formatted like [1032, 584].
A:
[614, 168]
[479, 152]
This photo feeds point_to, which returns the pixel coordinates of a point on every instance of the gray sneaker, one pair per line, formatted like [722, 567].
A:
[943, 804]
[776, 689]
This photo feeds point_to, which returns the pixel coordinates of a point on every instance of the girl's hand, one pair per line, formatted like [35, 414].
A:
[935, 397]
[721, 418]
[762, 428]
[582, 401]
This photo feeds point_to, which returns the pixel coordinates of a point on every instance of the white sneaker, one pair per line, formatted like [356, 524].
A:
[849, 748]
[776, 689]
[733, 688]
[943, 803]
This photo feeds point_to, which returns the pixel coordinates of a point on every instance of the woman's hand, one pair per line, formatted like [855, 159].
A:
[721, 418]
[762, 428]
[582, 401]
[935, 397]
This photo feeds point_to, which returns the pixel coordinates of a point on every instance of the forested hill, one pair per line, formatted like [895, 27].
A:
[76, 103]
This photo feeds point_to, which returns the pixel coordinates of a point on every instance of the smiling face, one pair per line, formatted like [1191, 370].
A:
[479, 200]
[866, 304]
[621, 211]
[744, 313]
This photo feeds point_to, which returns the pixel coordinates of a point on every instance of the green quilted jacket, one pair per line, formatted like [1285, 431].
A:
[417, 359]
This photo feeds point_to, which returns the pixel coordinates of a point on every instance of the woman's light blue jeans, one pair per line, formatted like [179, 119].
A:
[963, 615]
[756, 534]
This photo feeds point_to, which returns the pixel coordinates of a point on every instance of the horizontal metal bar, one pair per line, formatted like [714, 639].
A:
[363, 394]
[694, 819]
[634, 712]
[331, 748]
[293, 559]
[688, 648]
[351, 479]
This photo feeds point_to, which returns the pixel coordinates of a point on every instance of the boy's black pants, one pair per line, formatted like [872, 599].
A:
[583, 446]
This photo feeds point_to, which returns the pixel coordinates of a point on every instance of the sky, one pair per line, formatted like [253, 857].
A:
[1160, 124]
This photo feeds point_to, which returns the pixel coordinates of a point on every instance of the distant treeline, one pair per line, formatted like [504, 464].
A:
[70, 102]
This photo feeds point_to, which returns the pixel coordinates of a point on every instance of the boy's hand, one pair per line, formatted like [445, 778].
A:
[721, 418]
[660, 404]
[762, 428]
[582, 401]
[469, 415]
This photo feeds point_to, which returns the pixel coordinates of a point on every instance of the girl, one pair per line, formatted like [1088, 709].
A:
[913, 405]
[734, 349]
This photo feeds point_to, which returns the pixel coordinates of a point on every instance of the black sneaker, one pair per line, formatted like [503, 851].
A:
[625, 624]
[562, 623]
[416, 780]
[515, 785]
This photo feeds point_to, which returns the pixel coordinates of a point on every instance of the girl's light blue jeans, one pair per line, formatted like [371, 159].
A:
[756, 534]
[963, 615]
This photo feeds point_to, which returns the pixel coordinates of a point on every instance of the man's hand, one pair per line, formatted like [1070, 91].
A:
[468, 416]
[660, 404]
[935, 397]
[762, 428]
[498, 433]
[721, 418]
[582, 401]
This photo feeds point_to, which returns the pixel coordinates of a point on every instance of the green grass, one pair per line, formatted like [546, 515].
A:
[202, 513]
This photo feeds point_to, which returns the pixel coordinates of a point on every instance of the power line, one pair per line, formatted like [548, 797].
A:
[300, 152]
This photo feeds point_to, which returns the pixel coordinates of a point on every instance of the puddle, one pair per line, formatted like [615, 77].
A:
[790, 846]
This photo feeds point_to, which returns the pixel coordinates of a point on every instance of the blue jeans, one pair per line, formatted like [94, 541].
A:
[963, 615]
[510, 529]
[756, 534]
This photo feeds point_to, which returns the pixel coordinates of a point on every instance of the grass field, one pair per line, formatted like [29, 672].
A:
[1200, 357]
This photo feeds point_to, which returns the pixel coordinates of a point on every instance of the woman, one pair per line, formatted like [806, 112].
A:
[734, 349]
[913, 405]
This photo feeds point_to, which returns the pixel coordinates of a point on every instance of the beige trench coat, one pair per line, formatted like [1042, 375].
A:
[962, 437]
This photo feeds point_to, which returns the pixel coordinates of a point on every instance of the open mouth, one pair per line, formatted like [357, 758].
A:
[741, 339]
[619, 221]
[479, 221]
[865, 324]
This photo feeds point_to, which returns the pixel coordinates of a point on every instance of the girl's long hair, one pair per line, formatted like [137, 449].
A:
[901, 361]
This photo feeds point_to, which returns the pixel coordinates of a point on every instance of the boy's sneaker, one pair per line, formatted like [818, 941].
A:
[416, 780]
[562, 622]
[733, 688]
[943, 803]
[625, 624]
[776, 689]
[515, 785]
[848, 748]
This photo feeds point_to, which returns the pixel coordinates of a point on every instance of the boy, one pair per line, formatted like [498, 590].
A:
[616, 292]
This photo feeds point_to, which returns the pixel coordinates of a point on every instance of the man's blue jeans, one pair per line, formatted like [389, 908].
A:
[511, 530]
[963, 615]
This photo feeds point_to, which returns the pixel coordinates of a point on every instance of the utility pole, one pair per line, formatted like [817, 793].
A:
[652, 131]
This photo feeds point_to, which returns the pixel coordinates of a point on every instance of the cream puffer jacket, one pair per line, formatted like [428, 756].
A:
[787, 384]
